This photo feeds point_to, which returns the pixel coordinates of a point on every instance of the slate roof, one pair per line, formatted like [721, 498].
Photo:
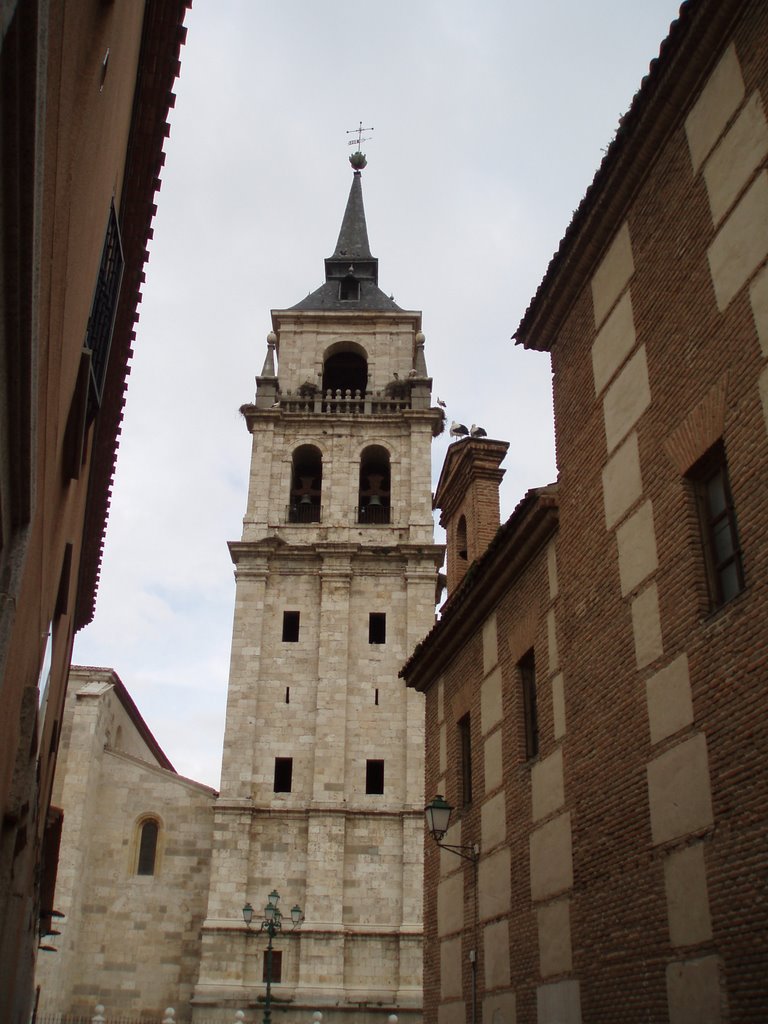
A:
[352, 263]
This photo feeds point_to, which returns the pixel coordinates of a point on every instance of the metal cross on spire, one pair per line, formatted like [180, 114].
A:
[357, 159]
[359, 133]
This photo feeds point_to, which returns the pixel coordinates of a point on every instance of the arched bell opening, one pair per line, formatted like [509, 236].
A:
[345, 370]
[373, 504]
[306, 485]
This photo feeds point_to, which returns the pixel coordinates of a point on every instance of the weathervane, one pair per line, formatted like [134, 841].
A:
[357, 159]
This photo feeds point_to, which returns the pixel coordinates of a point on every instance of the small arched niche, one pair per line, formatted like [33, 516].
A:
[345, 368]
[375, 485]
[306, 485]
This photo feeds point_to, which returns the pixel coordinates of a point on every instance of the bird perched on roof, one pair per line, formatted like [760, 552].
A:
[441, 403]
[458, 430]
[475, 431]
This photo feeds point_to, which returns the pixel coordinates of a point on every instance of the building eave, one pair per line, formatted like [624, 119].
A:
[163, 35]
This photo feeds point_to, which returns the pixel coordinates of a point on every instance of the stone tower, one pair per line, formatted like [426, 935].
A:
[322, 777]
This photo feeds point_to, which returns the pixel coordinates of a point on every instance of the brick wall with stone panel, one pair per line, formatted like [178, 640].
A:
[644, 847]
[663, 681]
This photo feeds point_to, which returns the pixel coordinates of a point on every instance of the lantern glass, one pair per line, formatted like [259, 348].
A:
[438, 815]
[247, 913]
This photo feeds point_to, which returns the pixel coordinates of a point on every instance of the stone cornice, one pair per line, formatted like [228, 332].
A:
[323, 320]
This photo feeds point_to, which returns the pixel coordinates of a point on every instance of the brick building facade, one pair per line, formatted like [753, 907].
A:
[602, 674]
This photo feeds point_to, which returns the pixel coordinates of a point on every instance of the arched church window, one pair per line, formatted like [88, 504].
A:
[375, 483]
[461, 538]
[345, 370]
[306, 485]
[149, 831]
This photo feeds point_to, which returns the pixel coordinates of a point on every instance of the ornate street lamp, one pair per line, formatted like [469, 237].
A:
[272, 923]
[438, 815]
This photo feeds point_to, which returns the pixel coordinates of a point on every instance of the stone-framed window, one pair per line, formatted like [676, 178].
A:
[148, 836]
[717, 521]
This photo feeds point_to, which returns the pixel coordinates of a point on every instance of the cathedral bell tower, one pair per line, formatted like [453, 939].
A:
[323, 770]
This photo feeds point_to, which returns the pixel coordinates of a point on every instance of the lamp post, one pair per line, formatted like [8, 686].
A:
[438, 815]
[272, 923]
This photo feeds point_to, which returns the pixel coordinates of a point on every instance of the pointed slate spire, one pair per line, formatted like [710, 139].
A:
[352, 273]
[353, 236]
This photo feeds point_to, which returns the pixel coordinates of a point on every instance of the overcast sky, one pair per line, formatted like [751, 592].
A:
[490, 119]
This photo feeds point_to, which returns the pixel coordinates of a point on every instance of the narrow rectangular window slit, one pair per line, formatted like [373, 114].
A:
[376, 697]
[465, 759]
[287, 695]
[377, 628]
[717, 519]
[374, 777]
[527, 668]
[290, 627]
[283, 774]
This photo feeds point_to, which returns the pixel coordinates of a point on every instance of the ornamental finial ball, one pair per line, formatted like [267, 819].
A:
[358, 160]
[272, 338]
